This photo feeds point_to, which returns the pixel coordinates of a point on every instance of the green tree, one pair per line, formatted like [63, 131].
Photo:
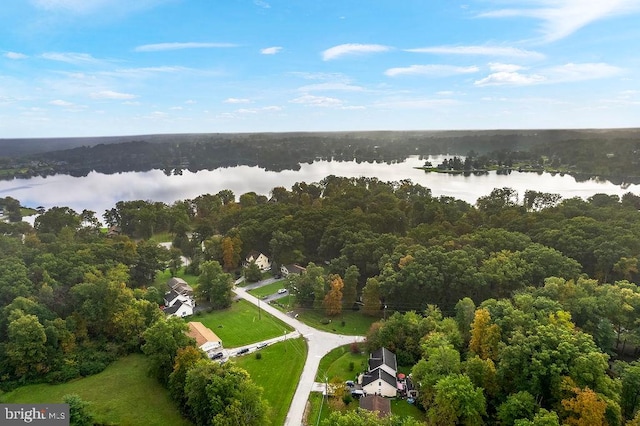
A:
[25, 350]
[542, 418]
[521, 405]
[457, 401]
[214, 285]
[150, 258]
[161, 344]
[252, 273]
[185, 359]
[630, 393]
[224, 395]
[465, 313]
[371, 298]
[350, 291]
[79, 412]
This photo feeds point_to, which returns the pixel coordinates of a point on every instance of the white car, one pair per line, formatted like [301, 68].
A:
[282, 291]
[261, 345]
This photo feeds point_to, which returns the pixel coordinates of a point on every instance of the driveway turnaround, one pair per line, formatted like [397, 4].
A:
[320, 343]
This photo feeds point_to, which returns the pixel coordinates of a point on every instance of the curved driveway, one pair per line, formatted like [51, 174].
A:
[319, 342]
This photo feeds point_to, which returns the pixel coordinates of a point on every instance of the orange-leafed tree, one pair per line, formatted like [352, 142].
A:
[485, 335]
[333, 299]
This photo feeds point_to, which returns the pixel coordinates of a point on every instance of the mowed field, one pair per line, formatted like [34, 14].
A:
[278, 373]
[241, 324]
[122, 394]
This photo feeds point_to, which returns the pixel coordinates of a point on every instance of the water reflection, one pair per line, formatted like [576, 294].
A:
[99, 192]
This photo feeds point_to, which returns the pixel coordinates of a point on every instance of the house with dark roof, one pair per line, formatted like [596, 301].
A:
[380, 379]
[385, 359]
[179, 305]
[259, 259]
[294, 268]
[380, 405]
[180, 286]
[379, 382]
[179, 309]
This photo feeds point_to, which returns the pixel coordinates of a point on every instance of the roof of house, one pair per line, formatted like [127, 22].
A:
[171, 295]
[382, 356]
[253, 254]
[179, 284]
[295, 269]
[174, 308]
[376, 403]
[202, 334]
[378, 374]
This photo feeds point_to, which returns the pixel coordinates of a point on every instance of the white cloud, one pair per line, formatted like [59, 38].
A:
[271, 50]
[60, 102]
[431, 70]
[190, 102]
[561, 18]
[177, 46]
[318, 101]
[237, 101]
[580, 72]
[506, 51]
[71, 57]
[109, 94]
[352, 49]
[505, 78]
[500, 67]
[261, 3]
[15, 55]
[270, 108]
[567, 73]
[324, 87]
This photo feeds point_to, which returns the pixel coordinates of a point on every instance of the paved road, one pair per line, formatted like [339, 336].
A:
[319, 342]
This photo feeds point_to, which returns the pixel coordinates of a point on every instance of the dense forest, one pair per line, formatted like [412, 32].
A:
[613, 154]
[522, 309]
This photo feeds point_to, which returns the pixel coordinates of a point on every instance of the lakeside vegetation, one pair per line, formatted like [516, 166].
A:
[611, 154]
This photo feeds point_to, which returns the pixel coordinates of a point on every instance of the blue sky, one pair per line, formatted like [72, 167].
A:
[123, 67]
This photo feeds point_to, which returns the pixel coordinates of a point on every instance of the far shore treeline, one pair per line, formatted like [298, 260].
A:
[612, 154]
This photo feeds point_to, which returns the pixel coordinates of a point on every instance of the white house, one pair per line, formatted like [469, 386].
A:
[179, 305]
[379, 382]
[286, 270]
[381, 377]
[260, 259]
[206, 339]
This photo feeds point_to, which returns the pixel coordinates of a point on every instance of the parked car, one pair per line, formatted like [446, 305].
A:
[218, 355]
[261, 345]
[242, 351]
[282, 291]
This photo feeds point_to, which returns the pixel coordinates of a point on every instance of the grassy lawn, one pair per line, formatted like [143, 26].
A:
[267, 290]
[355, 323]
[241, 324]
[336, 364]
[162, 237]
[277, 373]
[402, 408]
[315, 402]
[122, 394]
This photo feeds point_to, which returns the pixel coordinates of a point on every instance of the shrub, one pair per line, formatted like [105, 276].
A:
[258, 355]
[325, 321]
[342, 323]
[351, 366]
[354, 348]
[347, 398]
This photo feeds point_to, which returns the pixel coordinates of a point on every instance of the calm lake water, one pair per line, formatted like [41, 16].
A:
[99, 192]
